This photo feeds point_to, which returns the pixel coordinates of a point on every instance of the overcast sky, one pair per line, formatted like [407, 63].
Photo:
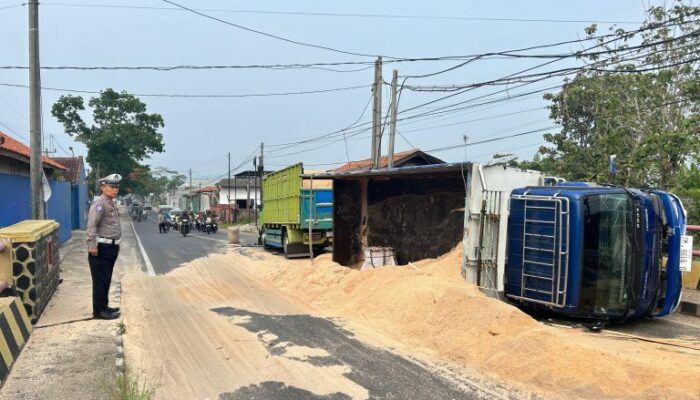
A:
[199, 132]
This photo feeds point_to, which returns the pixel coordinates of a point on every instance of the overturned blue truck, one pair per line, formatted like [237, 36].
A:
[600, 252]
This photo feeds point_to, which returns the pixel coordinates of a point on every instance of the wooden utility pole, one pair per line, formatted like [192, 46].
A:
[377, 115]
[35, 167]
[392, 127]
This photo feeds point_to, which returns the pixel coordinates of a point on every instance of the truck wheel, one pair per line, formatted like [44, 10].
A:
[285, 244]
[263, 237]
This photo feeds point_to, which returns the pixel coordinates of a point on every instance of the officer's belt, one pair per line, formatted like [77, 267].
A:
[109, 241]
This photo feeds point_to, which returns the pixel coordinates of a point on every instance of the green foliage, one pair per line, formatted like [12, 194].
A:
[121, 136]
[640, 104]
[130, 386]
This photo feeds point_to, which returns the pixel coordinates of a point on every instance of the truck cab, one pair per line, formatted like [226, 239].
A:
[599, 252]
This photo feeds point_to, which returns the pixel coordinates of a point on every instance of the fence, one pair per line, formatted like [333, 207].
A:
[15, 203]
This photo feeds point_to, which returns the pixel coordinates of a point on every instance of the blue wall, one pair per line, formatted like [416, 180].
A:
[79, 206]
[15, 203]
[59, 208]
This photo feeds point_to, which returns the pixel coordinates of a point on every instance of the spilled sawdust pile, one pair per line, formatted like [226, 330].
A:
[429, 306]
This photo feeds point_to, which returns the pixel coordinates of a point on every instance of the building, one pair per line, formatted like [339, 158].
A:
[410, 158]
[244, 190]
[77, 176]
[15, 192]
[204, 199]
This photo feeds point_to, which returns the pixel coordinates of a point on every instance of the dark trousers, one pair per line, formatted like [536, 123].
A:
[161, 227]
[101, 268]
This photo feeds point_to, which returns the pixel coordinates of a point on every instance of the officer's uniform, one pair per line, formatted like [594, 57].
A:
[104, 232]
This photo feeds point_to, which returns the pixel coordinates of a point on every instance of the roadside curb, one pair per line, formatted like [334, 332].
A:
[690, 302]
[689, 308]
[119, 334]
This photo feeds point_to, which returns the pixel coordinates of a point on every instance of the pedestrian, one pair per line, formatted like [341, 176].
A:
[161, 223]
[104, 235]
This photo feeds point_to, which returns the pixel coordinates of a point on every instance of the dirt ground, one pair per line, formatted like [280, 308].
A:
[424, 311]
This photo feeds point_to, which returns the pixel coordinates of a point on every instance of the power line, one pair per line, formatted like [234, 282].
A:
[512, 53]
[223, 21]
[13, 132]
[186, 95]
[12, 6]
[352, 15]
[459, 146]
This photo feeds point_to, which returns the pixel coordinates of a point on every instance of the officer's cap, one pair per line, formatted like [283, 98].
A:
[113, 179]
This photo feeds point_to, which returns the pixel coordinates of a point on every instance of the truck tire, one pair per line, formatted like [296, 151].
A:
[285, 243]
[263, 237]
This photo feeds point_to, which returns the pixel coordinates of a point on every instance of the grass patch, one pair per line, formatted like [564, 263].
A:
[131, 386]
[121, 326]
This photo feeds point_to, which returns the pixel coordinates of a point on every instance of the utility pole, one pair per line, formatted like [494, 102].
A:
[377, 114]
[228, 185]
[97, 179]
[191, 205]
[261, 172]
[261, 167]
[36, 170]
[392, 127]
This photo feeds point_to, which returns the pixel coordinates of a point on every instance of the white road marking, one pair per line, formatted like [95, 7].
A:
[147, 260]
[208, 238]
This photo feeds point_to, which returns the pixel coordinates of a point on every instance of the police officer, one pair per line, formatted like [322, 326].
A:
[104, 235]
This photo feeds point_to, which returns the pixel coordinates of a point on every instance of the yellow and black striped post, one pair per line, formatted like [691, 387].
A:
[15, 328]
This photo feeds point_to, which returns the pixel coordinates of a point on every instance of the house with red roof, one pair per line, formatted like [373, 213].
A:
[15, 194]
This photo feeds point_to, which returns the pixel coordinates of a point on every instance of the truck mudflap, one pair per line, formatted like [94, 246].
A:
[676, 217]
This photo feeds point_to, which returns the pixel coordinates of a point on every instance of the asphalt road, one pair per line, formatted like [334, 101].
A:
[167, 251]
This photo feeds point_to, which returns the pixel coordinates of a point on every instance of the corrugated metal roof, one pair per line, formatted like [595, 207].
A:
[74, 165]
[384, 161]
[414, 170]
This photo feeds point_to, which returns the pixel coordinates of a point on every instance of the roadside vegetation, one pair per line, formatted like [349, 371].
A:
[132, 386]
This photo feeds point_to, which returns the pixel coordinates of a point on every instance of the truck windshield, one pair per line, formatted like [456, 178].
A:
[606, 254]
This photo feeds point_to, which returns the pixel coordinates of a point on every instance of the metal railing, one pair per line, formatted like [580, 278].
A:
[545, 253]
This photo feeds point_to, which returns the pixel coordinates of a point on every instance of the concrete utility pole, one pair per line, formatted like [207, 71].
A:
[261, 167]
[35, 165]
[191, 205]
[377, 115]
[228, 185]
[392, 127]
[261, 172]
[97, 179]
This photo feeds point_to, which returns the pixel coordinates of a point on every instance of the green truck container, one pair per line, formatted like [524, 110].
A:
[293, 205]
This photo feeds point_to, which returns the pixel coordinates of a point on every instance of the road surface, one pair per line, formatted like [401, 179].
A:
[206, 328]
[167, 251]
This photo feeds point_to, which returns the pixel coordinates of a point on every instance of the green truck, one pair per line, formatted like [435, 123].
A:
[297, 212]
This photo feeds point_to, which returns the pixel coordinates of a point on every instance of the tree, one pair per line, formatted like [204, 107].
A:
[121, 136]
[639, 102]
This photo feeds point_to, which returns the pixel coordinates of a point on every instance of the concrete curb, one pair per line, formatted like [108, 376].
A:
[119, 335]
[689, 308]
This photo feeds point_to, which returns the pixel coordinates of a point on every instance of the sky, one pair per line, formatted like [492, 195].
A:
[200, 132]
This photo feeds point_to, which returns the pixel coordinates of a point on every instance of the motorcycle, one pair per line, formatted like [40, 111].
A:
[211, 226]
[184, 226]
